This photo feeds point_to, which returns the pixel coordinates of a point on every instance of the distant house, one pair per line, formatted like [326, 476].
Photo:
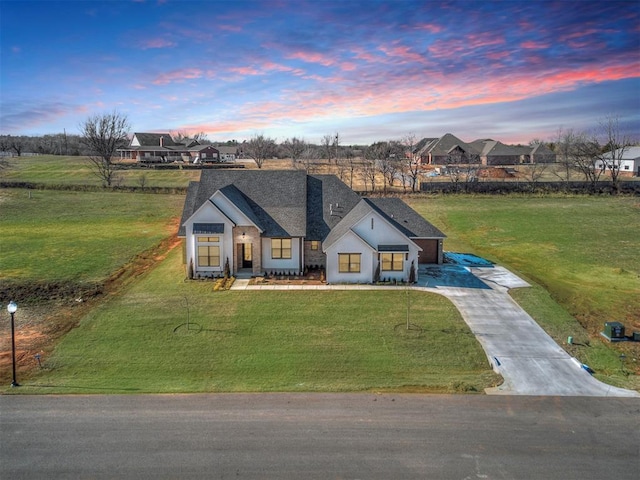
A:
[441, 151]
[450, 149]
[160, 147]
[493, 152]
[627, 160]
[286, 221]
[227, 154]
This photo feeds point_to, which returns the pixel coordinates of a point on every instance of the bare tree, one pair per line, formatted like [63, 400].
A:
[615, 144]
[326, 144]
[565, 146]
[369, 168]
[103, 135]
[308, 159]
[260, 148]
[462, 167]
[388, 157]
[15, 144]
[181, 136]
[294, 148]
[534, 172]
[411, 161]
[585, 153]
[350, 160]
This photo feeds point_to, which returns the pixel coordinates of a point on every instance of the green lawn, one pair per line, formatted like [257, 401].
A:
[584, 250]
[263, 341]
[69, 170]
[60, 236]
[582, 255]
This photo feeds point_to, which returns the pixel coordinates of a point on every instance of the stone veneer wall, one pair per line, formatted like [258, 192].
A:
[314, 257]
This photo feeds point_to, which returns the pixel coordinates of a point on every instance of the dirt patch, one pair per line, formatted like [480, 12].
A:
[47, 311]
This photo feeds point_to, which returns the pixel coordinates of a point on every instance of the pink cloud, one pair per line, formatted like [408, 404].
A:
[244, 70]
[361, 54]
[229, 28]
[484, 40]
[312, 57]
[156, 43]
[533, 45]
[429, 27]
[178, 76]
[402, 52]
[373, 96]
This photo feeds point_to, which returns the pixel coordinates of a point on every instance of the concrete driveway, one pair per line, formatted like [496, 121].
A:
[529, 360]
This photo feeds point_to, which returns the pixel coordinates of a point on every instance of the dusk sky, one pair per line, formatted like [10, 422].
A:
[370, 70]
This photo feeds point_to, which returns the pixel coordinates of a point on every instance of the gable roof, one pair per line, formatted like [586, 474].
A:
[294, 204]
[399, 215]
[630, 153]
[275, 200]
[405, 218]
[328, 201]
[153, 139]
[445, 144]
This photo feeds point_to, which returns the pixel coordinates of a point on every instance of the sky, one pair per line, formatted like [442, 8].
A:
[369, 70]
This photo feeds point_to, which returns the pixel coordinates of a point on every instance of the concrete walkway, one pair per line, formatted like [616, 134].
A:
[528, 359]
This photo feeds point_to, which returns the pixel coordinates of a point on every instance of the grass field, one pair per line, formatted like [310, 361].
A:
[263, 341]
[60, 236]
[62, 170]
[585, 250]
[581, 253]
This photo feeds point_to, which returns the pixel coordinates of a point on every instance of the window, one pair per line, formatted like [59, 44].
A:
[315, 244]
[208, 239]
[280, 248]
[208, 251]
[393, 262]
[349, 262]
[208, 256]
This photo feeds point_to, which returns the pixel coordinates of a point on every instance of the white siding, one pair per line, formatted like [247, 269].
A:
[281, 264]
[350, 243]
[209, 214]
[369, 237]
[381, 234]
[230, 210]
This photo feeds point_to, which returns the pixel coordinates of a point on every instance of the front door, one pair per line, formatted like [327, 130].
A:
[247, 256]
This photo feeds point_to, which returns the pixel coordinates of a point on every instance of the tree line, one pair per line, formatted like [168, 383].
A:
[391, 162]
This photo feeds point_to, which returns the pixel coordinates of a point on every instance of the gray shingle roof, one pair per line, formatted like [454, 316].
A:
[275, 200]
[443, 145]
[294, 204]
[405, 218]
[153, 139]
[346, 223]
[328, 201]
[189, 206]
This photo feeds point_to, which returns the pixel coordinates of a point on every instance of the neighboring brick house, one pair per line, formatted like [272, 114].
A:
[441, 151]
[450, 149]
[160, 147]
[286, 221]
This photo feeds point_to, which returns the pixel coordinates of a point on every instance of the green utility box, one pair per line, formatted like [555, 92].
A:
[614, 330]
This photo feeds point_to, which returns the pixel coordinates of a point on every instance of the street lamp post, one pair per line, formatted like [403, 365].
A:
[11, 308]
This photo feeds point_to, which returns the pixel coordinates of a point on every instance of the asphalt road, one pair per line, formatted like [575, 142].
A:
[324, 436]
